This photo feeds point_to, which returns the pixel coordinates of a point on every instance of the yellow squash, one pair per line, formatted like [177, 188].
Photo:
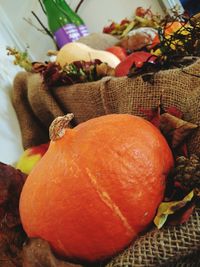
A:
[75, 51]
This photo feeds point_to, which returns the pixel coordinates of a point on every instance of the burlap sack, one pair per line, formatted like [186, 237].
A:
[170, 246]
[36, 107]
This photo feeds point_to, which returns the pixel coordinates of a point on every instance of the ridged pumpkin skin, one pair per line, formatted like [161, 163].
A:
[97, 187]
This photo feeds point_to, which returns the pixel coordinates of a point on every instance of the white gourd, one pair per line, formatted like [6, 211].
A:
[75, 51]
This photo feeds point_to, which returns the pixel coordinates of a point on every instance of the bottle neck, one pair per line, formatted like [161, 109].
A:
[72, 14]
[55, 14]
[74, 17]
[63, 22]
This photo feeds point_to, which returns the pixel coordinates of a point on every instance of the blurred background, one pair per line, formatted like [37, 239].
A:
[15, 30]
[192, 6]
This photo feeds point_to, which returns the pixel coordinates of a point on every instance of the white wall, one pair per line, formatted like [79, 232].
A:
[98, 13]
[95, 13]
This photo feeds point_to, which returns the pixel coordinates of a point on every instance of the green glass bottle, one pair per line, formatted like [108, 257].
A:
[74, 17]
[60, 24]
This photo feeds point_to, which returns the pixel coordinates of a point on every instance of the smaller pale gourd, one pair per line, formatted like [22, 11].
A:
[75, 51]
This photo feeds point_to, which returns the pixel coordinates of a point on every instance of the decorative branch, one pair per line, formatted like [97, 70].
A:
[42, 7]
[79, 5]
[46, 30]
[29, 21]
[191, 74]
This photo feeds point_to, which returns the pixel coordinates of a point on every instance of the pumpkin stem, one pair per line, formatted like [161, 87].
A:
[59, 125]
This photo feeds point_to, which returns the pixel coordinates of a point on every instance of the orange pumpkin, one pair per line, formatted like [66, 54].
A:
[97, 187]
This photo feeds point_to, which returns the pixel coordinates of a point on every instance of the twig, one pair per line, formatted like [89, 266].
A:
[42, 6]
[79, 5]
[191, 74]
[46, 30]
[29, 21]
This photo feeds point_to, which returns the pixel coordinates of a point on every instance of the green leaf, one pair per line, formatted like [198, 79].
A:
[21, 58]
[128, 29]
[167, 208]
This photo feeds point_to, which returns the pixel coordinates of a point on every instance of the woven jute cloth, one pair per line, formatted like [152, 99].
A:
[37, 105]
[170, 246]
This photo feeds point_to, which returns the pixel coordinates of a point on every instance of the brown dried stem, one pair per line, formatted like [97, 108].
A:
[59, 126]
[46, 30]
[43, 9]
[29, 21]
[79, 5]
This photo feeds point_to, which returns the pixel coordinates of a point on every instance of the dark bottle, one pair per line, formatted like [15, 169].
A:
[60, 23]
[74, 17]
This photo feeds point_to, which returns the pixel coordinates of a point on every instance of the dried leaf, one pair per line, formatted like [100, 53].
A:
[21, 58]
[175, 129]
[11, 242]
[167, 208]
[5, 261]
[39, 67]
[169, 121]
[37, 252]
[11, 183]
[12, 235]
[182, 150]
[104, 69]
[51, 74]
[153, 115]
[174, 111]
[182, 215]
